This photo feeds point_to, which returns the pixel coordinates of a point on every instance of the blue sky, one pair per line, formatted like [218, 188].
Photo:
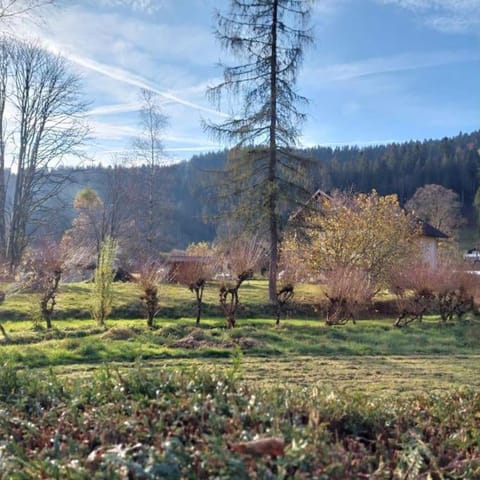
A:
[379, 71]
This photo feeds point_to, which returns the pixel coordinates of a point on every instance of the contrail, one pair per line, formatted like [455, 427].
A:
[126, 77]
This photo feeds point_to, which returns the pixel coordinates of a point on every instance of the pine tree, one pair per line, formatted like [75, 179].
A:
[268, 37]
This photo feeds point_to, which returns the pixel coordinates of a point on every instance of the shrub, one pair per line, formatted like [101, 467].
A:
[42, 270]
[348, 290]
[103, 279]
[195, 273]
[241, 258]
[150, 274]
[447, 290]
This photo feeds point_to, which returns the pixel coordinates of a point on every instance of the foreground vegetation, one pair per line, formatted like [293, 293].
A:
[166, 424]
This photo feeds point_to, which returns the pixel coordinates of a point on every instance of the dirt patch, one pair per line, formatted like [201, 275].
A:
[197, 339]
[119, 333]
[248, 342]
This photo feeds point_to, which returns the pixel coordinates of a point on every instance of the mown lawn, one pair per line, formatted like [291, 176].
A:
[371, 355]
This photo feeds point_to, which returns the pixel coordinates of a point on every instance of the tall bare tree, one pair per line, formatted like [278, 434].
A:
[150, 150]
[49, 126]
[5, 47]
[268, 37]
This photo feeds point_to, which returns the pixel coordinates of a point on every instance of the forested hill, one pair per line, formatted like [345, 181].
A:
[393, 168]
[402, 167]
[186, 188]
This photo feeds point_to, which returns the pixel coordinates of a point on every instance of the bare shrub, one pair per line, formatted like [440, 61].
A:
[284, 298]
[241, 257]
[150, 274]
[42, 269]
[199, 267]
[413, 286]
[292, 269]
[446, 289]
[229, 297]
[348, 290]
[455, 292]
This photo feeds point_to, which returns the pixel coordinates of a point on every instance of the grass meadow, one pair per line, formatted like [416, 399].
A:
[364, 400]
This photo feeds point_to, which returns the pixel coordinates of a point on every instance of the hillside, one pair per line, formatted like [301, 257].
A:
[187, 189]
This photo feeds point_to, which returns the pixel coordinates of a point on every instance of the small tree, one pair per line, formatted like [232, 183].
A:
[103, 279]
[284, 297]
[195, 273]
[43, 267]
[240, 257]
[150, 274]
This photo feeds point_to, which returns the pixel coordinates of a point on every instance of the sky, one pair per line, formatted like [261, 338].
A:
[379, 71]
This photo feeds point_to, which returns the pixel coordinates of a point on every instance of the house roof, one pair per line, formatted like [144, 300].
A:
[430, 231]
[316, 197]
[427, 230]
[183, 258]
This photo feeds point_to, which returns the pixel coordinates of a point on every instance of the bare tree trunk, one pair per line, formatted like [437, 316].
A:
[48, 301]
[199, 296]
[272, 167]
[4, 62]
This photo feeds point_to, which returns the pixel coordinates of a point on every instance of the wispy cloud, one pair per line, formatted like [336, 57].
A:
[115, 109]
[449, 16]
[112, 131]
[391, 64]
[147, 6]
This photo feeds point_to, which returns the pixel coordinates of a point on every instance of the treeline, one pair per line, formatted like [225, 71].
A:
[402, 167]
[190, 210]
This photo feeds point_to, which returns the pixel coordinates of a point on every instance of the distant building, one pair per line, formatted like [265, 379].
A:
[428, 241]
[178, 263]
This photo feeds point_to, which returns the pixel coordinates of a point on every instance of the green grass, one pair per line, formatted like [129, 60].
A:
[177, 301]
[369, 356]
[302, 351]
